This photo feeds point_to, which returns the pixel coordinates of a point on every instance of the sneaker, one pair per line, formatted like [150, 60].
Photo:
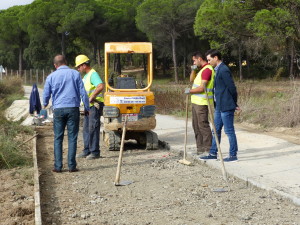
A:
[231, 159]
[209, 156]
[73, 170]
[92, 156]
[82, 155]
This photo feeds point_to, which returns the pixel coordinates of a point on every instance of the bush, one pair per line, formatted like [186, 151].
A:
[270, 103]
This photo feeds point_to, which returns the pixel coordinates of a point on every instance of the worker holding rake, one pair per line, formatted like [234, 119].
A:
[203, 77]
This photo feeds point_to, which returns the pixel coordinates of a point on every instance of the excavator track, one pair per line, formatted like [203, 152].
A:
[151, 140]
[112, 140]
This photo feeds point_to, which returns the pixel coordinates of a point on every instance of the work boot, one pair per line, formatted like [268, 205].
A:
[200, 151]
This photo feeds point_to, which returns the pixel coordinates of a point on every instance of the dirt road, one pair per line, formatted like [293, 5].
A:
[163, 192]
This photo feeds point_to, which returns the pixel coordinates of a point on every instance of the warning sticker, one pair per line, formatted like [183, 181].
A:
[128, 100]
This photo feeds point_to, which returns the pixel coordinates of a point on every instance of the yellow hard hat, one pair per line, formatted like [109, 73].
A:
[80, 59]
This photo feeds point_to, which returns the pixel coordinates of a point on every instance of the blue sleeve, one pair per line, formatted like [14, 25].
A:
[47, 92]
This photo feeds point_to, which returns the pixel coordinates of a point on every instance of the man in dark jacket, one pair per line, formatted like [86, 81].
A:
[225, 96]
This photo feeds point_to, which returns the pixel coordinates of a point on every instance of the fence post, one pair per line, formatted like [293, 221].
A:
[17, 73]
[11, 72]
[1, 74]
[25, 76]
[37, 77]
[43, 76]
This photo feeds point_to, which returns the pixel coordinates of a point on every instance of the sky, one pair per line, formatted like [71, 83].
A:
[4, 4]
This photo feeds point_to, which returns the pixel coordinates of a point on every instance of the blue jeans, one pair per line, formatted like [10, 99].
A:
[91, 131]
[226, 119]
[65, 117]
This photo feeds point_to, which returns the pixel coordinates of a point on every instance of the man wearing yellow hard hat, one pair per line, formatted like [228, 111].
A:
[91, 123]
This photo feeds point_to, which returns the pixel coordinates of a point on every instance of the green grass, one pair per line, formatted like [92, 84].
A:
[12, 153]
[171, 100]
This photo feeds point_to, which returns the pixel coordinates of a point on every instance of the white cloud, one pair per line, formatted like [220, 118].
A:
[4, 4]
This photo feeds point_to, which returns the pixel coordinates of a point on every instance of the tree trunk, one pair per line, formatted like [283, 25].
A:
[20, 60]
[248, 67]
[98, 55]
[184, 58]
[144, 63]
[240, 63]
[292, 56]
[117, 64]
[174, 59]
[95, 53]
[164, 65]
[184, 65]
[63, 44]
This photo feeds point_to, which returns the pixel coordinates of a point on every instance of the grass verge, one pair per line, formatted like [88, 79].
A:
[266, 102]
[12, 152]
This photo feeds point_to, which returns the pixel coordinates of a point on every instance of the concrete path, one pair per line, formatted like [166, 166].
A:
[267, 162]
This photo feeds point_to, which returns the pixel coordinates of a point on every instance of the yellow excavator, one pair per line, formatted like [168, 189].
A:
[124, 97]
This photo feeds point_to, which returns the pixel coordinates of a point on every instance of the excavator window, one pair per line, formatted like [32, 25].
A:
[126, 83]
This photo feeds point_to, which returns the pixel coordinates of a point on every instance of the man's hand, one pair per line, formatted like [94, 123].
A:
[194, 67]
[238, 111]
[187, 91]
[91, 99]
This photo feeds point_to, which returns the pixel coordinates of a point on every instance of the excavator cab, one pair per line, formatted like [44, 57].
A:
[125, 96]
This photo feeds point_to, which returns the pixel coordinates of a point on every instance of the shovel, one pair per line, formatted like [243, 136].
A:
[216, 136]
[117, 180]
[184, 161]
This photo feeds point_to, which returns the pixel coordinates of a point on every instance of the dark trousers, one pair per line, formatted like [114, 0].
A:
[91, 131]
[203, 134]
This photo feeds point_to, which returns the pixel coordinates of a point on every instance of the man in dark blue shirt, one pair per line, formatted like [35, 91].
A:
[66, 88]
[225, 96]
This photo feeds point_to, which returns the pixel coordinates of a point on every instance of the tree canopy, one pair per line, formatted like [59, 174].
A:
[252, 35]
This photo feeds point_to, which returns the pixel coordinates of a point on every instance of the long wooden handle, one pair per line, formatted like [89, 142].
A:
[186, 125]
[216, 135]
[117, 180]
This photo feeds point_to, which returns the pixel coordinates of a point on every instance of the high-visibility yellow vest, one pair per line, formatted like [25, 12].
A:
[200, 98]
[90, 88]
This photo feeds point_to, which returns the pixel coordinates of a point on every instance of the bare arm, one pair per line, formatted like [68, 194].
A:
[200, 88]
[97, 91]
